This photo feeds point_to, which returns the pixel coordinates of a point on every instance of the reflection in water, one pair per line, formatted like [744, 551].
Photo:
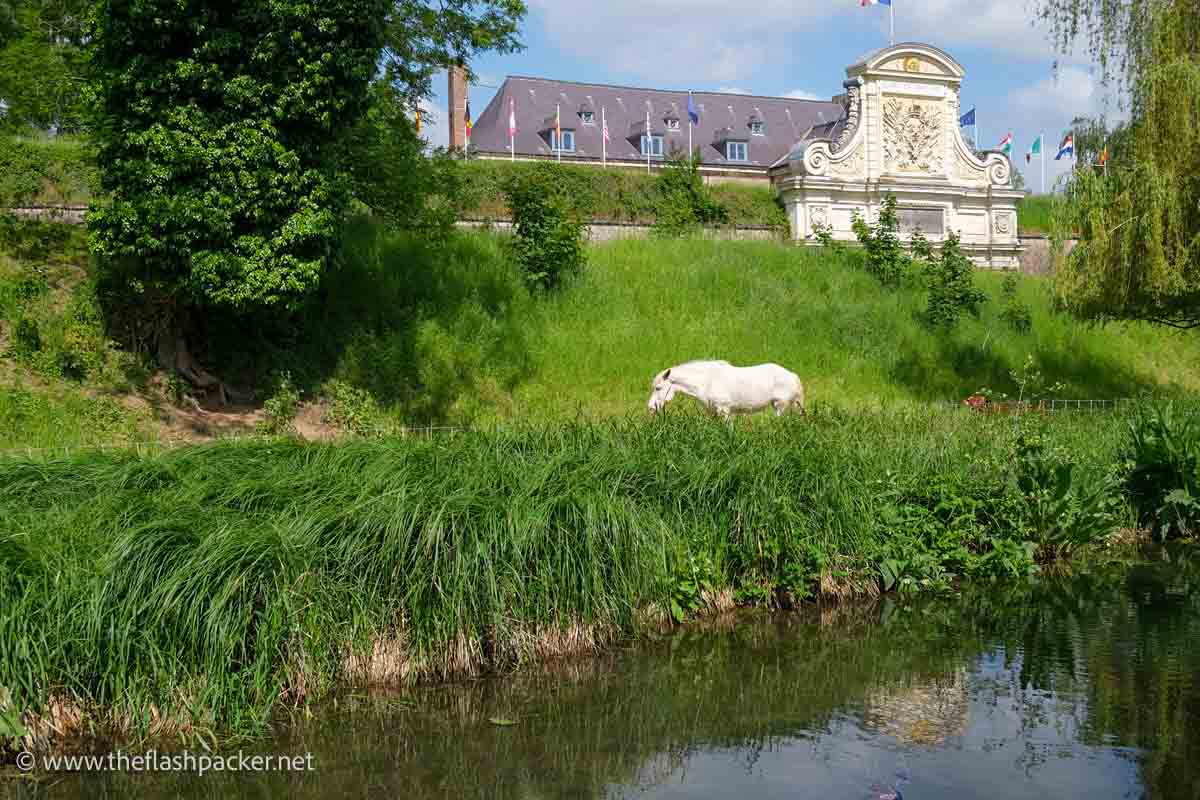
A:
[1081, 687]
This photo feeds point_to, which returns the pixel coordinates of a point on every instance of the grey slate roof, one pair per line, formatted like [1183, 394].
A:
[721, 116]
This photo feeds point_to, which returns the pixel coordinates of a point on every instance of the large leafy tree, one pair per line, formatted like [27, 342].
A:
[1139, 220]
[42, 63]
[231, 136]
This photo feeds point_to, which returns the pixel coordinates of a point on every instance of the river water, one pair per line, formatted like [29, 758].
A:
[1079, 687]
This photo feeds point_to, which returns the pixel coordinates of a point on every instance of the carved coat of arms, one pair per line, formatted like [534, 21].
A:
[912, 132]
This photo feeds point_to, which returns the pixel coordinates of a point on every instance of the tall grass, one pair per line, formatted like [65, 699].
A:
[201, 587]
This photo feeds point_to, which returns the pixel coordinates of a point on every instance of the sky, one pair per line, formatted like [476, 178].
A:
[801, 48]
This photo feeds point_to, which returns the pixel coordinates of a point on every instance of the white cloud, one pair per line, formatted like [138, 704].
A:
[801, 94]
[675, 41]
[1072, 91]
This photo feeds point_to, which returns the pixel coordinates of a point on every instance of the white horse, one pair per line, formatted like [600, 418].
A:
[725, 389]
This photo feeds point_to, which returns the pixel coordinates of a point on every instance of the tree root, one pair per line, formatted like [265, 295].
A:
[173, 354]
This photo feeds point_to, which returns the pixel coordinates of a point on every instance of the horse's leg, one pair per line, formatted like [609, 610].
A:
[780, 407]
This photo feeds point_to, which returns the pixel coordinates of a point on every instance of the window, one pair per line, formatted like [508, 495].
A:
[588, 117]
[758, 128]
[568, 141]
[652, 145]
[736, 151]
[672, 124]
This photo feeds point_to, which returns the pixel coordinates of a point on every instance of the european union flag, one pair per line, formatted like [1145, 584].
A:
[967, 119]
[692, 115]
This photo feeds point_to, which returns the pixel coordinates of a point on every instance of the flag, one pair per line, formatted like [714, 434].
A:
[1005, 145]
[557, 129]
[1067, 148]
[967, 119]
[604, 125]
[692, 113]
[418, 113]
[1035, 149]
[1104, 156]
[875, 2]
[512, 119]
[468, 120]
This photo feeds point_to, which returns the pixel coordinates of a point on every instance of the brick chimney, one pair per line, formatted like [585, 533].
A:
[456, 98]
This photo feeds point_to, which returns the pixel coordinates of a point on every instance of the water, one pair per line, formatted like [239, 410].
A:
[1087, 687]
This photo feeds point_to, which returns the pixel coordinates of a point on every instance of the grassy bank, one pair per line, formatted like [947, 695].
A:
[407, 334]
[200, 588]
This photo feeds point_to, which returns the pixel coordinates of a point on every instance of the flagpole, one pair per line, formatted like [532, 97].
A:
[649, 142]
[892, 18]
[1042, 139]
[558, 130]
[603, 138]
[689, 126]
[512, 129]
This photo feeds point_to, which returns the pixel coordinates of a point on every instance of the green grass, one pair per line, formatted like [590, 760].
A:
[645, 305]
[409, 334]
[1033, 214]
[214, 582]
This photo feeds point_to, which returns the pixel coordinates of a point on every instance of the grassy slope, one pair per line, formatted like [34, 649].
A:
[409, 335]
[645, 305]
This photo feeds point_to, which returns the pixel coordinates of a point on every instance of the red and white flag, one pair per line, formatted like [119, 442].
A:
[604, 123]
[512, 119]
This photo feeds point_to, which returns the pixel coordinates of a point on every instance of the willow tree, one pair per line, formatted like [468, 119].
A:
[1138, 220]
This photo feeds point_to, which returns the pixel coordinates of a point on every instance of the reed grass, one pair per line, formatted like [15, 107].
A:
[198, 589]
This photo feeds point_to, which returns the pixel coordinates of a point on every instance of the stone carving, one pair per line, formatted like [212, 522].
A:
[911, 136]
[853, 107]
[1003, 222]
[968, 171]
[853, 165]
[818, 216]
[816, 159]
[998, 172]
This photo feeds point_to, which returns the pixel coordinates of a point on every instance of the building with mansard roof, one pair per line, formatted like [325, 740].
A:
[737, 136]
[893, 131]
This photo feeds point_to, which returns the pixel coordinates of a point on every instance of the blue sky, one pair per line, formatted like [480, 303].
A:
[800, 48]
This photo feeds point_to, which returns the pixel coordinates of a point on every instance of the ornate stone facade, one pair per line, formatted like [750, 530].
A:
[899, 135]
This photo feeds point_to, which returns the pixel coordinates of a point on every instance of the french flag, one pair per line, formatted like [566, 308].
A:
[875, 2]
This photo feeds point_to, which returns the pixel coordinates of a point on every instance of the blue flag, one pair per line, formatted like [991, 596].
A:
[967, 119]
[692, 115]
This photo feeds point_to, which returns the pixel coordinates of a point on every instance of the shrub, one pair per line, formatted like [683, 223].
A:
[685, 203]
[549, 234]
[952, 291]
[1164, 479]
[885, 258]
[280, 408]
[1016, 314]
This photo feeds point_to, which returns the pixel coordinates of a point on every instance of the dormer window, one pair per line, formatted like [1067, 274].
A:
[672, 124]
[651, 145]
[758, 128]
[737, 151]
[568, 142]
[588, 117]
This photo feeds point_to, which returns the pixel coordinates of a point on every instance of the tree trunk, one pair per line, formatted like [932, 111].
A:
[174, 355]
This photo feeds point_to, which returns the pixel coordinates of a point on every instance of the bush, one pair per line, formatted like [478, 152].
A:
[1164, 479]
[549, 234]
[280, 408]
[1016, 314]
[685, 204]
[952, 291]
[885, 258]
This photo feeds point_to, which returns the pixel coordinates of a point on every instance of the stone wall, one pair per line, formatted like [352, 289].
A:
[1036, 258]
[609, 231]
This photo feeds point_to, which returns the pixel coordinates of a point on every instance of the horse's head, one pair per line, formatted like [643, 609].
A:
[662, 390]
